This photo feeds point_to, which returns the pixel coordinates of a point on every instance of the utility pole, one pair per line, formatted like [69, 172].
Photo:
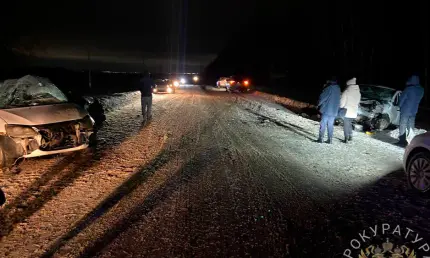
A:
[89, 69]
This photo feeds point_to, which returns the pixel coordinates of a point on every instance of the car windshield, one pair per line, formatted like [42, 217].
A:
[161, 81]
[29, 91]
[376, 93]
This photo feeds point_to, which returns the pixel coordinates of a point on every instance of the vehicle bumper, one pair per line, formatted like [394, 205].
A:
[39, 153]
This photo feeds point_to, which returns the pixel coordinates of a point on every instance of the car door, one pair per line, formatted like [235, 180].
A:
[395, 108]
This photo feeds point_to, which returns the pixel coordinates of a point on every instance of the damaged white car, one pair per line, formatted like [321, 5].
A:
[36, 119]
[379, 107]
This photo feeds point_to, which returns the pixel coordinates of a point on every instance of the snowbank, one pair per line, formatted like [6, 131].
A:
[395, 133]
[114, 101]
[287, 102]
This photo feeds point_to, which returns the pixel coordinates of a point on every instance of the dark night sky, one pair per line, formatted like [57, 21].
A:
[153, 30]
[377, 41]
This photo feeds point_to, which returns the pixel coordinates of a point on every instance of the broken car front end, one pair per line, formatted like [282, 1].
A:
[36, 119]
[41, 140]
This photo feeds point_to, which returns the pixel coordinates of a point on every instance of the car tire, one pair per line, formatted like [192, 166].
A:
[92, 141]
[418, 171]
[381, 122]
[338, 121]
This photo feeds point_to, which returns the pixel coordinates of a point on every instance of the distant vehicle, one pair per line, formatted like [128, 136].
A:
[379, 106]
[164, 85]
[239, 83]
[222, 82]
[234, 83]
[416, 162]
[196, 79]
[36, 119]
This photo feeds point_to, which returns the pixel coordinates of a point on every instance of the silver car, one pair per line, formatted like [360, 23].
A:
[416, 162]
[36, 119]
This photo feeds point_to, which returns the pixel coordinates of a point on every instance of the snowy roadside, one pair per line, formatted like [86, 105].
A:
[307, 110]
[114, 101]
[361, 162]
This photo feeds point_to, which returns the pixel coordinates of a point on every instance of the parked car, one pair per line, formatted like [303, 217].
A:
[416, 162]
[222, 82]
[164, 85]
[36, 119]
[234, 82]
[239, 83]
[379, 107]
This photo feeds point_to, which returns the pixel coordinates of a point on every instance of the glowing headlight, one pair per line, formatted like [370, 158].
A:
[20, 131]
[176, 84]
[195, 78]
[183, 80]
[169, 90]
[154, 90]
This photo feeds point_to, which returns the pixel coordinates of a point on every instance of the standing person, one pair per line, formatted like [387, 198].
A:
[409, 101]
[350, 100]
[328, 106]
[146, 85]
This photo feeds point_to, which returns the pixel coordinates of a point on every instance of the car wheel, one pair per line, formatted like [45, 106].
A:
[92, 141]
[338, 121]
[2, 198]
[382, 122]
[418, 171]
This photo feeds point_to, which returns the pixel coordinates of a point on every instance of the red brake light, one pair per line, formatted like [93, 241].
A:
[246, 82]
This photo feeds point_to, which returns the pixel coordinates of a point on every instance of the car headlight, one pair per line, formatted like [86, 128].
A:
[20, 131]
[86, 123]
[176, 83]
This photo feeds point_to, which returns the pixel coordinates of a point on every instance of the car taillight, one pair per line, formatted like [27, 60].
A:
[246, 83]
[231, 82]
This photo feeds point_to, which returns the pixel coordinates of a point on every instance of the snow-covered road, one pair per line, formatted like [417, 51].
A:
[214, 174]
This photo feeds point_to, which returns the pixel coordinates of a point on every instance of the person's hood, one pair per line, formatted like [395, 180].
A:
[332, 82]
[353, 87]
[352, 81]
[46, 114]
[413, 80]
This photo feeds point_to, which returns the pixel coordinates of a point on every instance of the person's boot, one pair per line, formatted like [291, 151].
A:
[329, 141]
[350, 138]
[345, 140]
[402, 141]
[319, 140]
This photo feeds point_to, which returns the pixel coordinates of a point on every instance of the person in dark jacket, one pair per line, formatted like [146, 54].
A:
[409, 101]
[146, 85]
[328, 106]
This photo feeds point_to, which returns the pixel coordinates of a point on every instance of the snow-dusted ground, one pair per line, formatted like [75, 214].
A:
[214, 174]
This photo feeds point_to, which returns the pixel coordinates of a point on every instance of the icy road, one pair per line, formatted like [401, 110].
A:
[213, 175]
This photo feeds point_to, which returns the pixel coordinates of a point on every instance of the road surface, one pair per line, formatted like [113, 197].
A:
[213, 175]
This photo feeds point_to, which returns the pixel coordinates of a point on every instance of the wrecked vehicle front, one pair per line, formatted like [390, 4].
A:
[378, 106]
[36, 119]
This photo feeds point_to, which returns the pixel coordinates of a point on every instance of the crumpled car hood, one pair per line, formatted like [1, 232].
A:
[371, 107]
[46, 114]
